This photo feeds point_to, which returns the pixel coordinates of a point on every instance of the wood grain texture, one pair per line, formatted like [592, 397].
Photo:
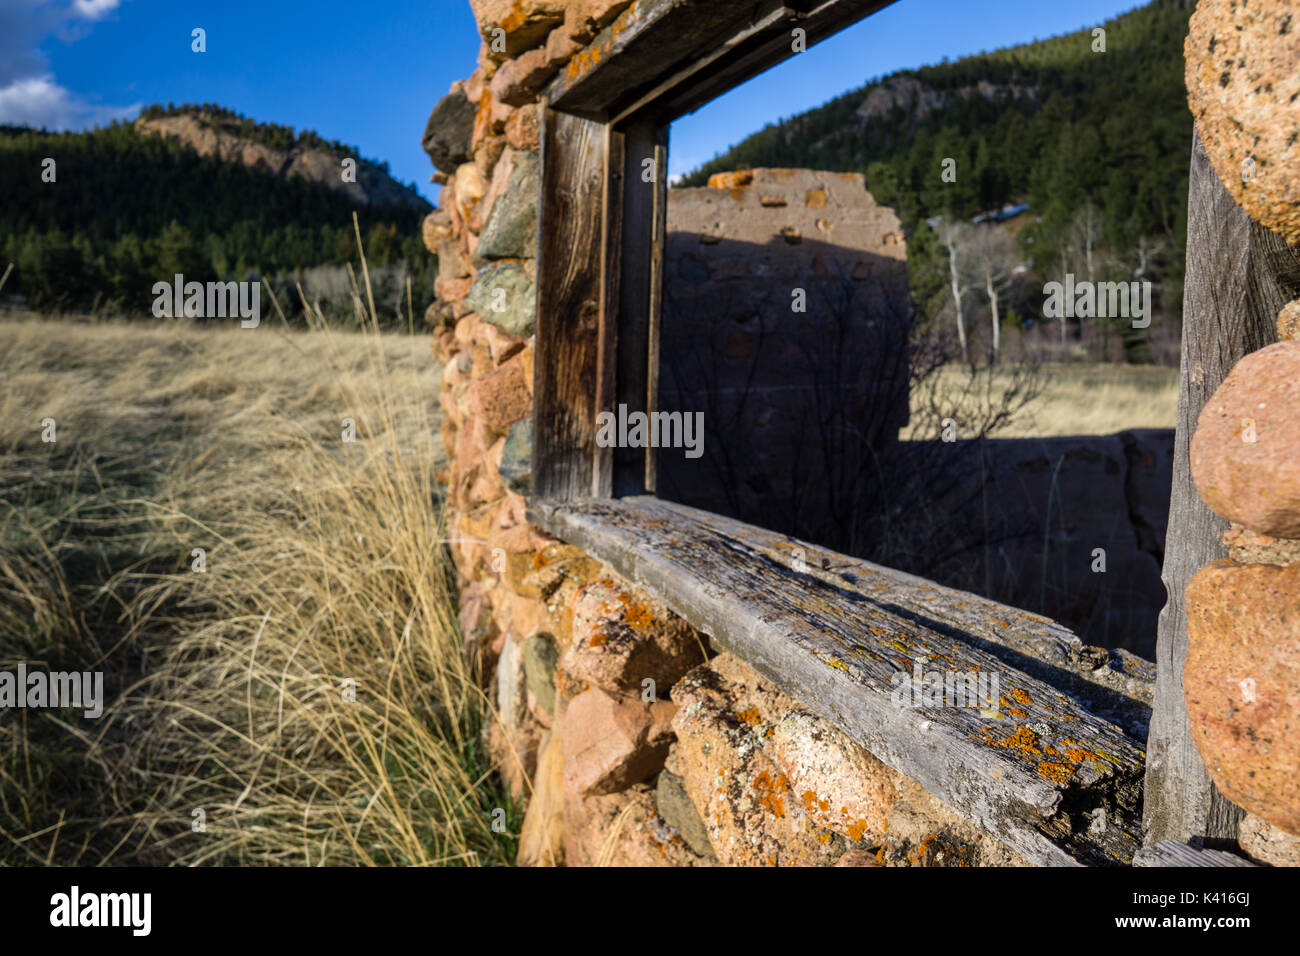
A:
[1042, 772]
[658, 237]
[658, 48]
[570, 275]
[1173, 853]
[637, 241]
[607, 376]
[1239, 275]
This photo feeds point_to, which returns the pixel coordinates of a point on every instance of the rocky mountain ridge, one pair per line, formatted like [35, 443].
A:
[221, 137]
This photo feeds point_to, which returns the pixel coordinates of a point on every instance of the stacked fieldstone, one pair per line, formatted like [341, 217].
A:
[1242, 676]
[631, 742]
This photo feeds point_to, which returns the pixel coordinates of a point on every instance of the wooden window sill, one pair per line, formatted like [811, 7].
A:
[1055, 771]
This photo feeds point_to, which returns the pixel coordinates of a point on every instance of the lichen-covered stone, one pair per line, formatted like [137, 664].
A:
[1250, 547]
[516, 469]
[540, 657]
[726, 715]
[1288, 321]
[623, 637]
[523, 129]
[510, 231]
[503, 294]
[583, 19]
[523, 24]
[1242, 683]
[1265, 843]
[623, 830]
[841, 786]
[677, 810]
[1243, 87]
[1246, 450]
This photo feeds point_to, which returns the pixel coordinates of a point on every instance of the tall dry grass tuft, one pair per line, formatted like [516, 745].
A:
[307, 693]
[322, 710]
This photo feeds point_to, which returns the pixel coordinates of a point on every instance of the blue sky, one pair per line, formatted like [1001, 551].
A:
[368, 73]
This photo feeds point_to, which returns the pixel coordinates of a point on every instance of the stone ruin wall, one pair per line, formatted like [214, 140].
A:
[784, 322]
[717, 766]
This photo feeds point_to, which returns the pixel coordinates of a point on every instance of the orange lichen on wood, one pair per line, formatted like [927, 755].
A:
[1055, 772]
[1024, 742]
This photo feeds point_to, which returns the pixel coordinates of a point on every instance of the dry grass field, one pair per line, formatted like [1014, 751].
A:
[228, 687]
[1074, 399]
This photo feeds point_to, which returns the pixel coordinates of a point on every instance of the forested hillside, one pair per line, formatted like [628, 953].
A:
[127, 209]
[1096, 142]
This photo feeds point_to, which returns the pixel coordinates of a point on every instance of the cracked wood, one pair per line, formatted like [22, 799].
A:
[1043, 774]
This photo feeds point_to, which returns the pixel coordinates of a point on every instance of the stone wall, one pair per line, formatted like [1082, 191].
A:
[1242, 672]
[631, 741]
[785, 323]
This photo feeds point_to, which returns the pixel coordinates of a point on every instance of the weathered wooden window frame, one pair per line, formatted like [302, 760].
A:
[599, 281]
[601, 226]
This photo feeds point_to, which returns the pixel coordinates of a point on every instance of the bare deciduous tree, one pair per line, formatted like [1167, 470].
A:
[991, 258]
[955, 236]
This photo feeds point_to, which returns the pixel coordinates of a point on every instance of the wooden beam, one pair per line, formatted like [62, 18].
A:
[571, 254]
[1041, 771]
[1239, 275]
[657, 46]
[1173, 853]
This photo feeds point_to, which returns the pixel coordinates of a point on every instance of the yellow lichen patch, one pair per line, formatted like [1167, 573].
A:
[1017, 712]
[599, 639]
[1055, 772]
[1021, 697]
[1024, 742]
[838, 664]
[750, 716]
[638, 616]
[816, 198]
[856, 829]
[770, 790]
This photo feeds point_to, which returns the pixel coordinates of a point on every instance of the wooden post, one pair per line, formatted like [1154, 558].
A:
[571, 255]
[638, 290]
[1239, 275]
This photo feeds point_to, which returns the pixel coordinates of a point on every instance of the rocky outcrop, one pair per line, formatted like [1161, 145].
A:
[220, 137]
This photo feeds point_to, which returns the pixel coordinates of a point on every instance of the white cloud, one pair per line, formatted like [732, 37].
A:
[94, 9]
[29, 94]
[40, 101]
